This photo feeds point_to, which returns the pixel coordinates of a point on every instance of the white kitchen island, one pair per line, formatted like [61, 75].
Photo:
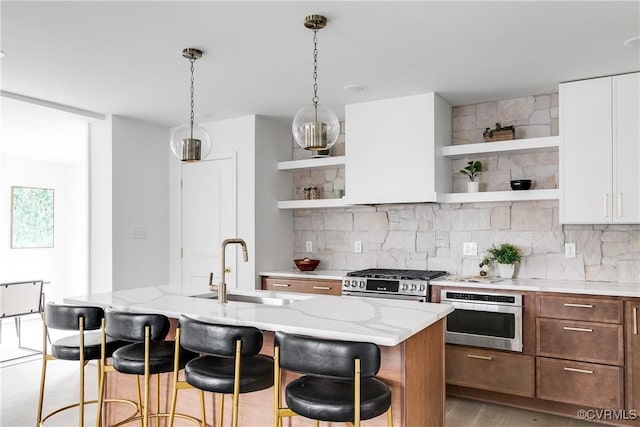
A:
[411, 336]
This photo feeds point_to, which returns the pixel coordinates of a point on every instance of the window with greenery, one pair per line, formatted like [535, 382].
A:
[32, 217]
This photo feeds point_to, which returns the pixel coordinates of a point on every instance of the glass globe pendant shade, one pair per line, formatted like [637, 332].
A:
[315, 127]
[188, 146]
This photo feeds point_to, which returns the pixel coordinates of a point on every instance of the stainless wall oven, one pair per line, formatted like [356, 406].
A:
[484, 319]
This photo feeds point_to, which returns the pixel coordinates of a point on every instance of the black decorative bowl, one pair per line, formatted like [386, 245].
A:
[521, 184]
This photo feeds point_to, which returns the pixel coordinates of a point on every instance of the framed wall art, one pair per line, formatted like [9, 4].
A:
[31, 217]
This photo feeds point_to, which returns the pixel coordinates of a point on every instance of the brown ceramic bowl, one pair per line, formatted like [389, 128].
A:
[306, 264]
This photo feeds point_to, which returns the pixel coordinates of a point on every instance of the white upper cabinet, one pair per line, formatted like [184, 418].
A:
[600, 150]
[391, 150]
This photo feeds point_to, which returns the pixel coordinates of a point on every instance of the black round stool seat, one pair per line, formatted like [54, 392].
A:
[327, 399]
[68, 348]
[216, 374]
[130, 358]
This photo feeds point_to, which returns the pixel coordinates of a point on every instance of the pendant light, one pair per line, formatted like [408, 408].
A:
[190, 142]
[315, 127]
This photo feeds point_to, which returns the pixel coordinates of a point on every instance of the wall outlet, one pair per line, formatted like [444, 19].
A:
[470, 248]
[308, 246]
[569, 250]
[357, 246]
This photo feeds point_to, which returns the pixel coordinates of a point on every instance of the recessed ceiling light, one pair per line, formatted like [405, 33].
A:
[632, 42]
[355, 88]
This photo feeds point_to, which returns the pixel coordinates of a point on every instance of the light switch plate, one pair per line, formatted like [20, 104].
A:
[569, 250]
[470, 249]
[308, 246]
[357, 246]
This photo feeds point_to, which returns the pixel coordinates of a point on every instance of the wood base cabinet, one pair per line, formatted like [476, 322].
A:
[308, 286]
[499, 371]
[588, 384]
[632, 350]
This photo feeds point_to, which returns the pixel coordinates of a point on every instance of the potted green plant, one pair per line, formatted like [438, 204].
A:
[472, 170]
[506, 255]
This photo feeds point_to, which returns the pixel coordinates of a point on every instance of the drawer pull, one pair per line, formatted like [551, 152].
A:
[581, 371]
[571, 328]
[635, 320]
[476, 356]
[569, 304]
[324, 288]
[280, 285]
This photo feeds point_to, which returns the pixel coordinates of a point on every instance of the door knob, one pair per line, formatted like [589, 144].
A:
[227, 269]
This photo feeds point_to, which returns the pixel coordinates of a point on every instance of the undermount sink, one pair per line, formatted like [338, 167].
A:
[247, 298]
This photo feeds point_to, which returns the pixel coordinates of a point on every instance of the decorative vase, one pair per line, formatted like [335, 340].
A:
[473, 187]
[506, 270]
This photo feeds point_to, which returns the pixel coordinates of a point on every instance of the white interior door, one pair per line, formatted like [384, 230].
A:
[208, 217]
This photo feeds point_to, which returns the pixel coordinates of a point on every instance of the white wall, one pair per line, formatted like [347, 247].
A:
[258, 143]
[65, 264]
[140, 199]
[100, 207]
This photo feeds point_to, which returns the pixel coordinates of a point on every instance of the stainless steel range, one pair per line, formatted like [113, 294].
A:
[386, 283]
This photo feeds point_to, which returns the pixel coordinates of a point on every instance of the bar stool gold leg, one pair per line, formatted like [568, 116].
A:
[157, 399]
[221, 408]
[203, 412]
[389, 418]
[81, 407]
[44, 370]
[145, 414]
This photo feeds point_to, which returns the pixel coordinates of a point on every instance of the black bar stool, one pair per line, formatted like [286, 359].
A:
[146, 354]
[230, 364]
[81, 347]
[338, 382]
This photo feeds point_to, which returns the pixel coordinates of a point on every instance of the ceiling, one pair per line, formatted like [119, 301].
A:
[125, 57]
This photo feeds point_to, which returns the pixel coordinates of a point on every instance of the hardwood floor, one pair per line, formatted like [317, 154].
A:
[470, 413]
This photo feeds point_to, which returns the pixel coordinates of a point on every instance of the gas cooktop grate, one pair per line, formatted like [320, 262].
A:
[383, 273]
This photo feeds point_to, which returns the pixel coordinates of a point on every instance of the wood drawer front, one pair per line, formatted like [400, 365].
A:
[309, 286]
[588, 384]
[585, 341]
[577, 308]
[490, 370]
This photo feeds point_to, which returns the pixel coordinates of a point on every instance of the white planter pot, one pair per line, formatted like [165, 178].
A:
[473, 187]
[506, 270]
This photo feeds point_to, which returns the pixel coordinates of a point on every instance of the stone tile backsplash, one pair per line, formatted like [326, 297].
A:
[431, 235]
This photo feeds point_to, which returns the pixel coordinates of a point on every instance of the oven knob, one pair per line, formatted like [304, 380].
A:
[354, 283]
[422, 288]
[362, 283]
[404, 287]
[414, 287]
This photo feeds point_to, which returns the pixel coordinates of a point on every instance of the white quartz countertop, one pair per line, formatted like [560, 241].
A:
[315, 274]
[540, 285]
[380, 321]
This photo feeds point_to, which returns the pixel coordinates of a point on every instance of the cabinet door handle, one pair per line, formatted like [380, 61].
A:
[606, 205]
[570, 304]
[571, 328]
[323, 288]
[280, 285]
[581, 371]
[635, 320]
[476, 356]
[619, 205]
